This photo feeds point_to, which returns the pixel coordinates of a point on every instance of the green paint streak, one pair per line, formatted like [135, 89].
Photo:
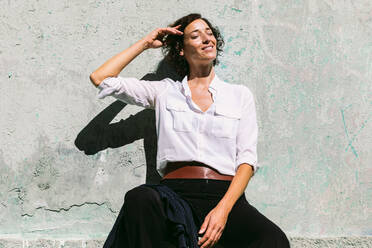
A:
[86, 26]
[222, 13]
[226, 50]
[356, 134]
[347, 134]
[290, 156]
[263, 171]
[240, 51]
[237, 10]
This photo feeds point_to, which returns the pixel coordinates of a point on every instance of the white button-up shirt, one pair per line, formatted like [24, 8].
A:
[223, 137]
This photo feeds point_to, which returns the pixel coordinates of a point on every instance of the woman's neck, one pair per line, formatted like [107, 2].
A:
[202, 76]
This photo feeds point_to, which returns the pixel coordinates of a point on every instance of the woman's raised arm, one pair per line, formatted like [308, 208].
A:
[113, 66]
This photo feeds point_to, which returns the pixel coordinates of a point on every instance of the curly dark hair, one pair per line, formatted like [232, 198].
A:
[174, 43]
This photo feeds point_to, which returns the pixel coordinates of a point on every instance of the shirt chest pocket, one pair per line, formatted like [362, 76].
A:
[226, 121]
[181, 116]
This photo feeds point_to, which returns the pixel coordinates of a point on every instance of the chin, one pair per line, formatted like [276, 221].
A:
[212, 57]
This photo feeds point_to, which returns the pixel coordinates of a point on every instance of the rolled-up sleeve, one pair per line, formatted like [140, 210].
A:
[246, 151]
[132, 90]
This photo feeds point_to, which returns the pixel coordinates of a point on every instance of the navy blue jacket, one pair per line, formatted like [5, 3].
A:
[179, 213]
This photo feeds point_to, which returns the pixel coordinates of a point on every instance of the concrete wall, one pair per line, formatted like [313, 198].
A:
[64, 169]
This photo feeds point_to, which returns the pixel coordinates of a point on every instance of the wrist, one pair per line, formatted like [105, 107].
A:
[144, 44]
[225, 205]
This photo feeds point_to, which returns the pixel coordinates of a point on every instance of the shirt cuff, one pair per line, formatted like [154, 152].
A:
[107, 87]
[249, 161]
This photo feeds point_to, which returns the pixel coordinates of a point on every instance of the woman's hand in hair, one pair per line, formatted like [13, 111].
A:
[155, 38]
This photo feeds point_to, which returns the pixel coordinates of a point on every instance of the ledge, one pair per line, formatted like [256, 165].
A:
[296, 242]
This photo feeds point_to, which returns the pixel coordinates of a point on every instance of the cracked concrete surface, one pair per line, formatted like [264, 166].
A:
[68, 208]
[67, 158]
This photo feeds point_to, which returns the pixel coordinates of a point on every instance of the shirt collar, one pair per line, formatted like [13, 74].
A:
[213, 86]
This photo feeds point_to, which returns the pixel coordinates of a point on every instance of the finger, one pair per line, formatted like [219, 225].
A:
[160, 34]
[212, 237]
[218, 236]
[207, 238]
[174, 31]
[176, 28]
[170, 30]
[204, 238]
[207, 243]
[205, 224]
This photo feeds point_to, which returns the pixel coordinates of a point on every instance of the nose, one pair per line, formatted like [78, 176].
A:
[205, 38]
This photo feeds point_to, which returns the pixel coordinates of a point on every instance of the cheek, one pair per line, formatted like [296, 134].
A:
[190, 50]
[215, 41]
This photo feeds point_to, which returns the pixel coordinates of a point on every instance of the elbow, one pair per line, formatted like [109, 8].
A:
[94, 79]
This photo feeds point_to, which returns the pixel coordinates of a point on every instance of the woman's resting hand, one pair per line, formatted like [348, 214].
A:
[213, 226]
[154, 39]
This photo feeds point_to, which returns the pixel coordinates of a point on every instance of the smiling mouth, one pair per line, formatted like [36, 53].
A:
[208, 48]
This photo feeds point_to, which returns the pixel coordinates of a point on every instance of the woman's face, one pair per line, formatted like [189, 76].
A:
[199, 43]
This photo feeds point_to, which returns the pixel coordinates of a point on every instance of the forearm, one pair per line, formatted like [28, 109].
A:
[113, 66]
[237, 187]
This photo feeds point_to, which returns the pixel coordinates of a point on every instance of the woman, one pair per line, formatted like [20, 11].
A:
[207, 136]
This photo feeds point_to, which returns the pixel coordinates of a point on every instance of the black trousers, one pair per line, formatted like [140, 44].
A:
[142, 222]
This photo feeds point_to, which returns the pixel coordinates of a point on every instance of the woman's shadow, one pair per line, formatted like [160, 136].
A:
[99, 134]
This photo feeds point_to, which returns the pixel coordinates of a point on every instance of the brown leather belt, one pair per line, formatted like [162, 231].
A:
[193, 169]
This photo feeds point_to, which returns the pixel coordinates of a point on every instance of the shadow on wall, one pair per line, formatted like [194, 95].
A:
[99, 134]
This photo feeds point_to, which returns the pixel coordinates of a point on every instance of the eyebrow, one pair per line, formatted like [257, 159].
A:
[207, 28]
